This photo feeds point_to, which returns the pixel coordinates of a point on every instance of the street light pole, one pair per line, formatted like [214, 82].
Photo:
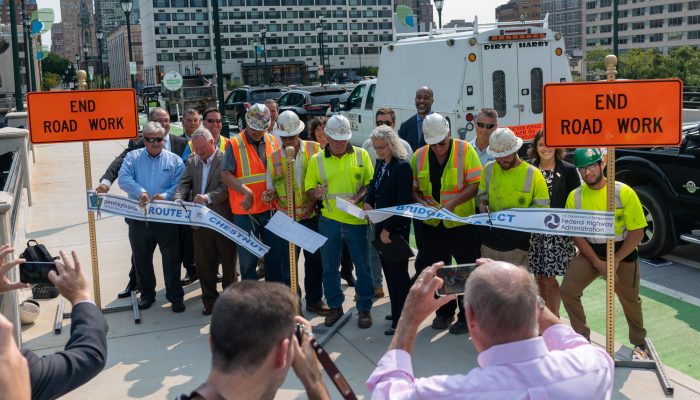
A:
[319, 30]
[263, 32]
[27, 53]
[77, 67]
[19, 104]
[257, 64]
[438, 6]
[100, 35]
[219, 69]
[126, 7]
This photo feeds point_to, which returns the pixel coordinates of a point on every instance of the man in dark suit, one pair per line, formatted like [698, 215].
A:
[85, 354]
[201, 183]
[172, 143]
[411, 130]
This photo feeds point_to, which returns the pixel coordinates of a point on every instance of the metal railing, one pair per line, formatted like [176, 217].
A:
[691, 97]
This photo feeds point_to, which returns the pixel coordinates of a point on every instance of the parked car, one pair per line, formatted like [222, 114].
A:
[242, 98]
[666, 180]
[311, 101]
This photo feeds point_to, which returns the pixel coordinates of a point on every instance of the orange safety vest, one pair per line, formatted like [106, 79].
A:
[250, 171]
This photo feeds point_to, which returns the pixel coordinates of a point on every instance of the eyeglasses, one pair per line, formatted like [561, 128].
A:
[214, 121]
[483, 125]
[162, 121]
[380, 123]
[587, 168]
[153, 139]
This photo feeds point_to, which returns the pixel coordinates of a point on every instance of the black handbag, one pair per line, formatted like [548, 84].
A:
[38, 252]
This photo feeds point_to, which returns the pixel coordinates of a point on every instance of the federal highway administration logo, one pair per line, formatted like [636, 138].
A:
[552, 221]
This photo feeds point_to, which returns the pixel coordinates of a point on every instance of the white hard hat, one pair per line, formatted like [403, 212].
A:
[28, 311]
[435, 128]
[288, 125]
[258, 117]
[338, 128]
[503, 142]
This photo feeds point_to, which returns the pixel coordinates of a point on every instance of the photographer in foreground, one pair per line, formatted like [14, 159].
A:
[505, 318]
[85, 353]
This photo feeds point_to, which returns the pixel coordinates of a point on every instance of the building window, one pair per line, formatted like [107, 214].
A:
[623, 13]
[676, 7]
[384, 13]
[178, 3]
[656, 23]
[289, 2]
[256, 3]
[291, 53]
[637, 12]
[678, 21]
[657, 37]
[161, 3]
[499, 93]
[693, 35]
[638, 39]
[272, 15]
[621, 27]
[200, 42]
[674, 36]
[370, 38]
[290, 27]
[693, 5]
[181, 17]
[694, 20]
[355, 14]
[638, 25]
[605, 16]
[164, 57]
[590, 5]
[307, 14]
[355, 38]
[200, 16]
[656, 10]
[340, 51]
[161, 16]
[164, 44]
[289, 14]
[198, 3]
[371, 50]
[370, 13]
[605, 3]
[356, 50]
[605, 28]
[340, 38]
[182, 43]
[340, 14]
[591, 17]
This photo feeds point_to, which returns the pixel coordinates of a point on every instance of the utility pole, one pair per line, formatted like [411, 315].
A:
[219, 69]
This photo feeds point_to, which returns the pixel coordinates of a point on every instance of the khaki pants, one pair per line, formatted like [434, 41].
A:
[517, 256]
[581, 273]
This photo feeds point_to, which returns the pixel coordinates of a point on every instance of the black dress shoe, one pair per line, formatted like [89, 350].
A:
[145, 304]
[189, 279]
[388, 317]
[178, 306]
[219, 278]
[206, 310]
[390, 332]
[127, 290]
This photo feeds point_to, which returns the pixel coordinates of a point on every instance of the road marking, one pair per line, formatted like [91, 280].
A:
[683, 261]
[670, 292]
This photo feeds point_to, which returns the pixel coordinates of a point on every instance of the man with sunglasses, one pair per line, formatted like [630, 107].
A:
[148, 174]
[172, 143]
[446, 175]
[486, 124]
[590, 263]
[508, 182]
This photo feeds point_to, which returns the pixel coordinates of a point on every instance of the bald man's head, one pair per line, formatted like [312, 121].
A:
[424, 101]
[503, 300]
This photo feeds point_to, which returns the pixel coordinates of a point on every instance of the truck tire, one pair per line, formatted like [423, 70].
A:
[658, 235]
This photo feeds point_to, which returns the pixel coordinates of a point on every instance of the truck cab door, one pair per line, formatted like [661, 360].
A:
[500, 78]
[367, 114]
[353, 108]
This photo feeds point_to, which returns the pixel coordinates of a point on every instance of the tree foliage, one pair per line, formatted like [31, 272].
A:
[50, 80]
[55, 64]
[682, 62]
[367, 71]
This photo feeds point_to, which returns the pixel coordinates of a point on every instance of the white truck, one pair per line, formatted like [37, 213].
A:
[503, 66]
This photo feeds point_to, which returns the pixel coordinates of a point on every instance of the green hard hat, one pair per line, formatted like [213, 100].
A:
[584, 157]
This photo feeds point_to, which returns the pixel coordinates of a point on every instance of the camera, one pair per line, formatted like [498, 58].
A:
[454, 277]
[36, 271]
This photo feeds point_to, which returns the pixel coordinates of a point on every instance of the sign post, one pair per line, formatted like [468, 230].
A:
[289, 188]
[83, 116]
[612, 113]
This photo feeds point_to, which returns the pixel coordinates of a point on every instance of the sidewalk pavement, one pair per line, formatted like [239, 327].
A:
[168, 354]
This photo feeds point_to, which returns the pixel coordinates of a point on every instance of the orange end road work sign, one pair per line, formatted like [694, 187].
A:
[613, 114]
[82, 115]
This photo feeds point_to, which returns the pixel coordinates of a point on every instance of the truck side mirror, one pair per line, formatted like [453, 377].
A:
[335, 105]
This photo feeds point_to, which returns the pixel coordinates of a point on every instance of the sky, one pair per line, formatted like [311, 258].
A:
[451, 9]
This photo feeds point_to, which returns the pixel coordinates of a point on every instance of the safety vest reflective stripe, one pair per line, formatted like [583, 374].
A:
[421, 155]
[243, 155]
[578, 201]
[257, 178]
[459, 163]
[250, 171]
[528, 179]
[527, 186]
[473, 174]
[541, 202]
[487, 181]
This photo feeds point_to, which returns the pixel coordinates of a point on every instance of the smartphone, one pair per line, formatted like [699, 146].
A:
[36, 271]
[454, 277]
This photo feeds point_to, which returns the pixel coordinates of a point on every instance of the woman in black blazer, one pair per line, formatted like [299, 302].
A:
[392, 185]
[549, 255]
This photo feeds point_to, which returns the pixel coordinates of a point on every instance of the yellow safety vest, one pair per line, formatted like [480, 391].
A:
[277, 166]
[463, 168]
[512, 189]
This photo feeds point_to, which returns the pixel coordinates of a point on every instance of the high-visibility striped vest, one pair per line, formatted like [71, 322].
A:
[189, 150]
[526, 187]
[277, 163]
[456, 176]
[619, 220]
[250, 171]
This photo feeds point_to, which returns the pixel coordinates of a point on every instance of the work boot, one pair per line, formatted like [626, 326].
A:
[318, 307]
[364, 319]
[459, 327]
[441, 322]
[333, 316]
[378, 292]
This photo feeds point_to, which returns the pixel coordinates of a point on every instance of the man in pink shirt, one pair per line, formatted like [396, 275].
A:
[505, 318]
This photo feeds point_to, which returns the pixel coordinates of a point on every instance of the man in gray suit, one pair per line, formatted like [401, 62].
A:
[201, 183]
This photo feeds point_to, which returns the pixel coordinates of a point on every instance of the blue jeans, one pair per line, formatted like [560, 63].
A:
[247, 261]
[375, 262]
[355, 237]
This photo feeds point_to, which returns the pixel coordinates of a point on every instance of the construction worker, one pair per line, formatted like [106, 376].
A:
[509, 182]
[446, 174]
[342, 170]
[288, 128]
[590, 263]
[244, 170]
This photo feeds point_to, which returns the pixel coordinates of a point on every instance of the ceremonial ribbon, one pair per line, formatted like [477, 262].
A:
[550, 221]
[171, 212]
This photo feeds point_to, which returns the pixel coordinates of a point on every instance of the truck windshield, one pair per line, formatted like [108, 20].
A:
[262, 95]
[325, 97]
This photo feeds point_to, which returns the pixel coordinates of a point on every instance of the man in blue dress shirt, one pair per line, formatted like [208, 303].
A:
[147, 174]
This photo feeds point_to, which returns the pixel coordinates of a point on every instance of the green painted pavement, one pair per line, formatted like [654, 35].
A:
[174, 129]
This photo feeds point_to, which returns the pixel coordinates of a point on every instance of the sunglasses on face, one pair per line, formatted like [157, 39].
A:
[214, 121]
[153, 139]
[483, 125]
[588, 168]
[380, 123]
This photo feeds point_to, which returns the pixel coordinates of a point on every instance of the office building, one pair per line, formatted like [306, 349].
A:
[516, 10]
[118, 54]
[78, 19]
